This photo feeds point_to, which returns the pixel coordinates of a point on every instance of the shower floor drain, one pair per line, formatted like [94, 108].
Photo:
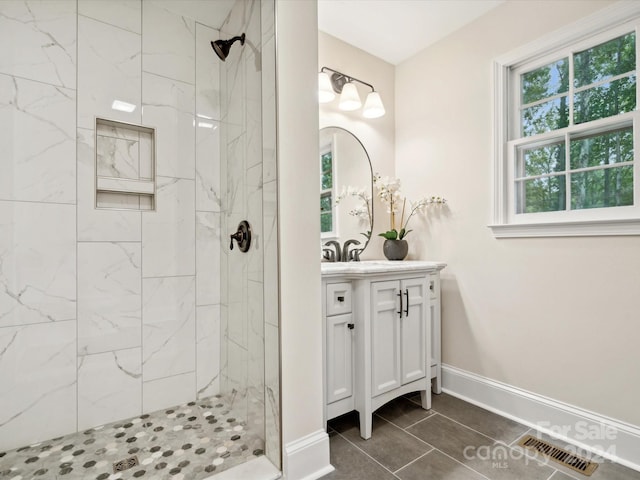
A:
[559, 455]
[125, 464]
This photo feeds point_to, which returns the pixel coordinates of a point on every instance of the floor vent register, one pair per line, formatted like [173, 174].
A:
[559, 455]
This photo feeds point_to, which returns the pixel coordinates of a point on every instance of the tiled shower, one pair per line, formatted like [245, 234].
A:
[139, 305]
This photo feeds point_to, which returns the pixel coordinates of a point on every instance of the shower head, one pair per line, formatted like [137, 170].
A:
[222, 47]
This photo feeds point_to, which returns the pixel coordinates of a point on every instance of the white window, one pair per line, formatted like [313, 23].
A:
[568, 132]
[327, 192]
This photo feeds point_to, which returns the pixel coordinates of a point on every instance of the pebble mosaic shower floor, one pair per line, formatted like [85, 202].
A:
[188, 442]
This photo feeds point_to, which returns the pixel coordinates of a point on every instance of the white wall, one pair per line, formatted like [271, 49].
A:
[556, 316]
[305, 442]
[376, 134]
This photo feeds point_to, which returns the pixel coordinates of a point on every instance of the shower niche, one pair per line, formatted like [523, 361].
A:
[125, 165]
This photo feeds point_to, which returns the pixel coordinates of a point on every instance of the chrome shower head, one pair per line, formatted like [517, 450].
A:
[222, 47]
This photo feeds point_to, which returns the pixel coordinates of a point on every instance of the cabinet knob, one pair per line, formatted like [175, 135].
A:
[341, 299]
[431, 286]
[350, 326]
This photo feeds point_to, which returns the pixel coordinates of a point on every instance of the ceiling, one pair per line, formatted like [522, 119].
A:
[395, 30]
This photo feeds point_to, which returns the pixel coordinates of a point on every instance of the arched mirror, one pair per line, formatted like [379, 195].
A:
[346, 184]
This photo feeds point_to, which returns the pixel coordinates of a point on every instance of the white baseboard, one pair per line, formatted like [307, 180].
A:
[600, 435]
[307, 458]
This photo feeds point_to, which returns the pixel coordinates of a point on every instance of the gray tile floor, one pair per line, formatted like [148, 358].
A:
[453, 441]
[187, 442]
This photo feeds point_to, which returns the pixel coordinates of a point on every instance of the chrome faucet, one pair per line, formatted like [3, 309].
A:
[353, 255]
[330, 254]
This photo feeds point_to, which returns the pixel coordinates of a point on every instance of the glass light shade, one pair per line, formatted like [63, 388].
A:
[325, 91]
[373, 107]
[349, 99]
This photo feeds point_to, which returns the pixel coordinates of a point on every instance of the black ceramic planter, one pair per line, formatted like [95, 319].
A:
[395, 249]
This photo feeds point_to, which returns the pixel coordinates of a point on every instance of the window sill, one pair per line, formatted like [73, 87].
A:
[595, 228]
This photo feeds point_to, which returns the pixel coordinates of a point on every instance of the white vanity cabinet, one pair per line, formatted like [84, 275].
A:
[380, 337]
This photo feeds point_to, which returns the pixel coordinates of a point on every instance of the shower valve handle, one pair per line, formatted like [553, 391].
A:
[242, 236]
[237, 237]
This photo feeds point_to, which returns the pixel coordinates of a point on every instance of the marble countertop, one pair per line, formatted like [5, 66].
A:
[377, 266]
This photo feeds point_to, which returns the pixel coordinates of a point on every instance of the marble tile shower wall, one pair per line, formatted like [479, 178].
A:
[105, 314]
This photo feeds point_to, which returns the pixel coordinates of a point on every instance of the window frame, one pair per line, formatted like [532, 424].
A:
[595, 29]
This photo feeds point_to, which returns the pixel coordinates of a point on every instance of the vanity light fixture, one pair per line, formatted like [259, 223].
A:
[345, 85]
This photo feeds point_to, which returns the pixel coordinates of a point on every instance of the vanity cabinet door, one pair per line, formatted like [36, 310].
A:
[385, 337]
[413, 328]
[339, 357]
[399, 340]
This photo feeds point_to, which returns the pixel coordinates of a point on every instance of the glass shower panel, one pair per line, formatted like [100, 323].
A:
[242, 374]
[250, 345]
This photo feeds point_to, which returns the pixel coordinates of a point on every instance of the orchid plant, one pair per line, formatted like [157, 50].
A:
[388, 191]
[362, 211]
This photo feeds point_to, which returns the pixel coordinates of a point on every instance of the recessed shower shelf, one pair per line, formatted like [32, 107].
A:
[120, 185]
[125, 166]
